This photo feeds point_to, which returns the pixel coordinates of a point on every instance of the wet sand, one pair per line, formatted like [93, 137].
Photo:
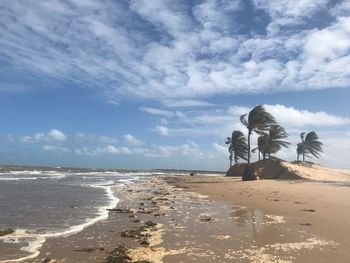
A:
[317, 213]
[202, 219]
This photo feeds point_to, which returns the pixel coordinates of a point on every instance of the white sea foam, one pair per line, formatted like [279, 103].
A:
[31, 175]
[35, 241]
[17, 178]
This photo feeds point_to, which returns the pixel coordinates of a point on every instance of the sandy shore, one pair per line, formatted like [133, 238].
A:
[215, 219]
[317, 210]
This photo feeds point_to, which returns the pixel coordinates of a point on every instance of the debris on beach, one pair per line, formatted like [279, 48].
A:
[7, 231]
[119, 254]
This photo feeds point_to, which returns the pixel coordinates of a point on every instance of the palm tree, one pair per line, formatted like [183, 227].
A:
[271, 142]
[310, 144]
[276, 137]
[237, 146]
[262, 146]
[258, 120]
[230, 150]
[301, 149]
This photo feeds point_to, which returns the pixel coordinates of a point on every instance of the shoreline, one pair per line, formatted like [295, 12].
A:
[204, 218]
[33, 247]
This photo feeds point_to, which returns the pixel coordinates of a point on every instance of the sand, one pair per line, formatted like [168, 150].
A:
[319, 205]
[221, 219]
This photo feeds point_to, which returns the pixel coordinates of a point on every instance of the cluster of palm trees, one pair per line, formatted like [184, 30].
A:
[271, 138]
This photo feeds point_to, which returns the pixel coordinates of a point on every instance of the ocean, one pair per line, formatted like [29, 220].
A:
[38, 203]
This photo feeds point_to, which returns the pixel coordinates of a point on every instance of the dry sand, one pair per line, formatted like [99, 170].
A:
[221, 219]
[318, 205]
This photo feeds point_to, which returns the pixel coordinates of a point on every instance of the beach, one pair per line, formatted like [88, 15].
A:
[203, 218]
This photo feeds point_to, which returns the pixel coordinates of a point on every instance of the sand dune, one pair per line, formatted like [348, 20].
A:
[277, 169]
[318, 173]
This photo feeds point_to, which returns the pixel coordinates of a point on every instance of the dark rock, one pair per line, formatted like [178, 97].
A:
[248, 174]
[89, 250]
[150, 224]
[206, 219]
[134, 233]
[305, 224]
[308, 210]
[6, 232]
[120, 210]
[144, 242]
[118, 255]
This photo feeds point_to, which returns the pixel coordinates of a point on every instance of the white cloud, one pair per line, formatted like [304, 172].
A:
[114, 150]
[156, 111]
[178, 58]
[222, 150]
[27, 139]
[286, 12]
[55, 148]
[162, 130]
[132, 140]
[52, 135]
[94, 139]
[109, 149]
[186, 103]
[326, 54]
[291, 117]
[341, 9]
[336, 149]
[56, 135]
[189, 150]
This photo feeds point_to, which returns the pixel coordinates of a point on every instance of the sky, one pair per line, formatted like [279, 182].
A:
[146, 84]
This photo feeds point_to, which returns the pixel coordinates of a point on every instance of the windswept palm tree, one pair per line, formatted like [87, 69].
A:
[310, 144]
[258, 120]
[262, 146]
[230, 150]
[272, 141]
[276, 137]
[237, 146]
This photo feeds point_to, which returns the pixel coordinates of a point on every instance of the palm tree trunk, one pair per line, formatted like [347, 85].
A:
[249, 132]
[259, 154]
[303, 157]
[297, 157]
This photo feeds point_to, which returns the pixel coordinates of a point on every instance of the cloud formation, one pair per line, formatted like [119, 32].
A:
[166, 50]
[53, 135]
[132, 140]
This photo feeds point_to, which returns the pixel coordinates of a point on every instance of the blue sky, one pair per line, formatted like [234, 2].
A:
[161, 84]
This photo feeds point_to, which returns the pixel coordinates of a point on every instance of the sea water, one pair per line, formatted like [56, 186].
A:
[46, 202]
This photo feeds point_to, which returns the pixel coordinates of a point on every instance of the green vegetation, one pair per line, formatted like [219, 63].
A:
[258, 120]
[310, 144]
[271, 142]
[272, 138]
[237, 147]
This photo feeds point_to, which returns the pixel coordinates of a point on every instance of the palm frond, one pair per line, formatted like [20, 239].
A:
[244, 121]
[239, 145]
[310, 145]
